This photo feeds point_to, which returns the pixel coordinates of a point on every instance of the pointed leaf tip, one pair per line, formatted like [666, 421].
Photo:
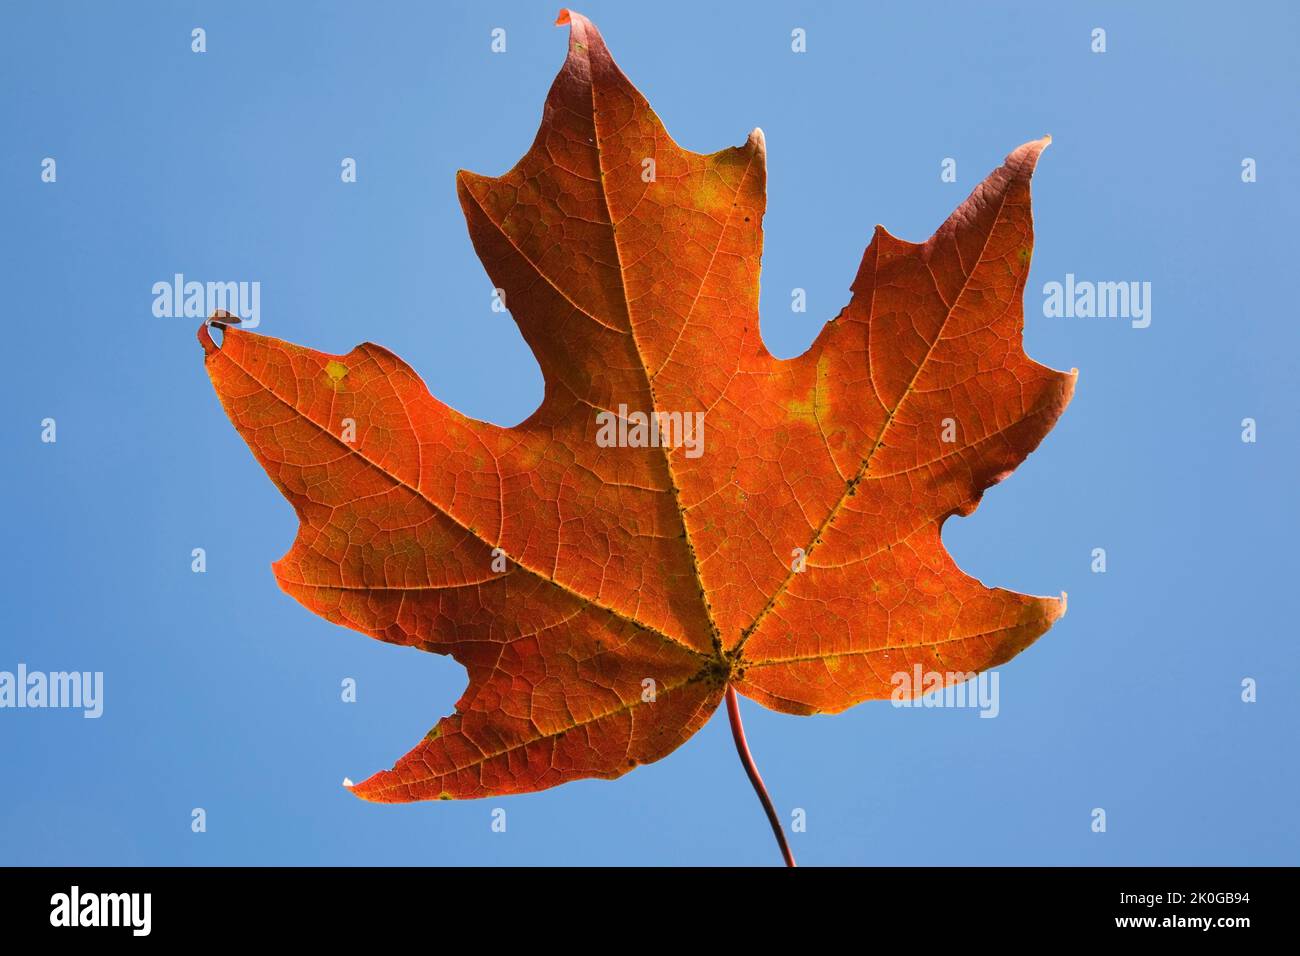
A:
[1022, 160]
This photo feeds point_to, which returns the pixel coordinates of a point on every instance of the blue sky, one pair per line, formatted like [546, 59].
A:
[222, 693]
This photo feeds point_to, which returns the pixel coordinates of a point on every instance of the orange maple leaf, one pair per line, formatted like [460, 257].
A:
[604, 581]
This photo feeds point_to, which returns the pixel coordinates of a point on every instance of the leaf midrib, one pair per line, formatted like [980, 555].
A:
[446, 512]
[644, 366]
[625, 707]
[850, 485]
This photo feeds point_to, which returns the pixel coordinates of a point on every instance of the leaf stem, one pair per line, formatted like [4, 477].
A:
[746, 758]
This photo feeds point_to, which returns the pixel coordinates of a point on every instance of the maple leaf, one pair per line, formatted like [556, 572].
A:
[604, 598]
